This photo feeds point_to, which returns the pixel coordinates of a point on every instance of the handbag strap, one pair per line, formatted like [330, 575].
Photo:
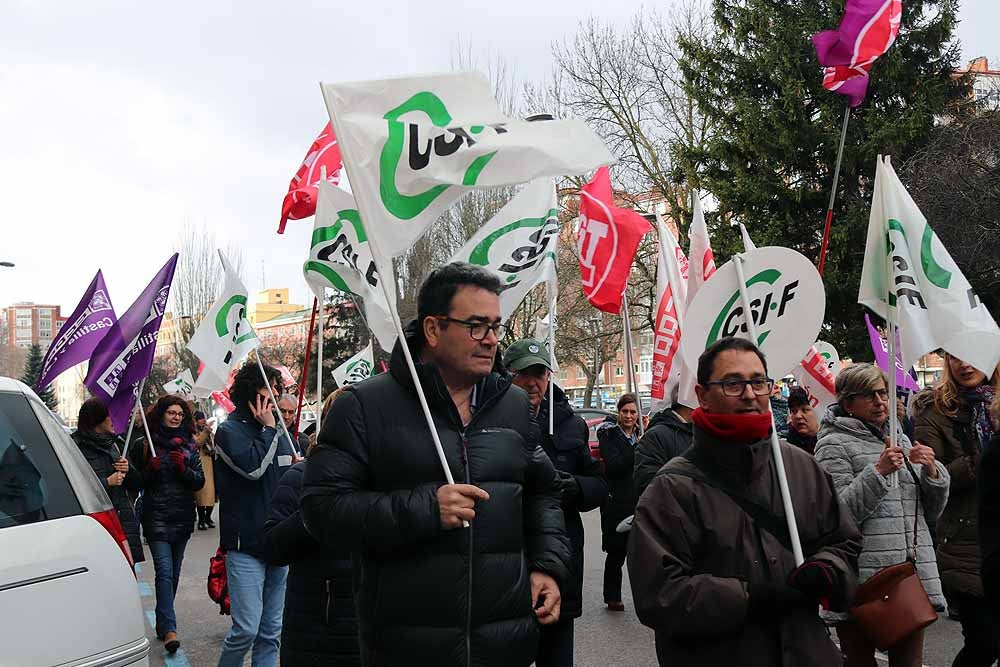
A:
[916, 511]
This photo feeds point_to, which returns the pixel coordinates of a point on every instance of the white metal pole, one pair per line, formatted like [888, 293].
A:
[319, 360]
[893, 478]
[552, 355]
[142, 414]
[779, 461]
[633, 377]
[274, 400]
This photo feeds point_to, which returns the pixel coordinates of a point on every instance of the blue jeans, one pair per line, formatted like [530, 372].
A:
[167, 558]
[257, 602]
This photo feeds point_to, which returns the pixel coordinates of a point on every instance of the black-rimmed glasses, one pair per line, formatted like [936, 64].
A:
[734, 387]
[478, 330]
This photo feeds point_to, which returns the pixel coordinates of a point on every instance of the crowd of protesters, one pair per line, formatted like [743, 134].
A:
[350, 547]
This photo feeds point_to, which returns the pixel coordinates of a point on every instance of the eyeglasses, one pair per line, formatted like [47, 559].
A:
[870, 395]
[174, 413]
[733, 387]
[478, 330]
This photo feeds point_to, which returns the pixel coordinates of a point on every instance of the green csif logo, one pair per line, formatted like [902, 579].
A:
[907, 286]
[407, 207]
[332, 245]
[222, 322]
[726, 322]
[522, 257]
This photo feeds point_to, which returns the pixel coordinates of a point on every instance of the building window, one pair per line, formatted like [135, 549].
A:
[619, 371]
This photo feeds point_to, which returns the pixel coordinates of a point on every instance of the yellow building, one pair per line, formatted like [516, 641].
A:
[271, 303]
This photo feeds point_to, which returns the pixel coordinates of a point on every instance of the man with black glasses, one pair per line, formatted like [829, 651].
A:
[430, 591]
[710, 558]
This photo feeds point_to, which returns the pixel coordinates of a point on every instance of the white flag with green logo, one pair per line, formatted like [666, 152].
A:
[412, 147]
[182, 385]
[519, 244]
[224, 338]
[340, 258]
[357, 368]
[931, 301]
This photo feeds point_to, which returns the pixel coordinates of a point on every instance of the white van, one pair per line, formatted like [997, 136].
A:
[68, 596]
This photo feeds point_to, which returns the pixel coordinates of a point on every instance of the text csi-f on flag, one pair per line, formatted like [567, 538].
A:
[340, 258]
[414, 146]
[124, 356]
[90, 322]
[518, 244]
[357, 368]
[224, 338]
[909, 272]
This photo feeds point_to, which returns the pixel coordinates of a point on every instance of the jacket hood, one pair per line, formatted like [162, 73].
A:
[563, 410]
[667, 418]
[99, 441]
[739, 462]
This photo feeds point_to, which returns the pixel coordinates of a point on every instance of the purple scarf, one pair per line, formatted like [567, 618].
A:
[979, 400]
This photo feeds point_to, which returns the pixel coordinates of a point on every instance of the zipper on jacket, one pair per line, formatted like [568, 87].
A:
[468, 605]
[326, 611]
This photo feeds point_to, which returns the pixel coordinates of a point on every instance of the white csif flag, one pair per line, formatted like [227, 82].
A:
[671, 290]
[930, 300]
[224, 338]
[412, 147]
[357, 368]
[701, 267]
[341, 258]
[519, 244]
[182, 385]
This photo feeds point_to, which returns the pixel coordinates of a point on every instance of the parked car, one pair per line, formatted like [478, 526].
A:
[63, 553]
[593, 417]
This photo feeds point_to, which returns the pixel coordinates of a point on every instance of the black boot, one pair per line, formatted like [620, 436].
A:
[208, 516]
[201, 519]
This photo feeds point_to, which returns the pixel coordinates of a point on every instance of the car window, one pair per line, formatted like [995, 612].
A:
[33, 486]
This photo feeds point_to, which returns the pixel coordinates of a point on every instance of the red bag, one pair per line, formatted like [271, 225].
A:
[218, 587]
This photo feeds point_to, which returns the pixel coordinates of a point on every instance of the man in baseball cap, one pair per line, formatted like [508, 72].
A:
[583, 485]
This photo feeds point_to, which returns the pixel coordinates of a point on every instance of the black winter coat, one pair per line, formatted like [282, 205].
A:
[168, 506]
[320, 627]
[101, 452]
[425, 595]
[619, 462]
[988, 485]
[665, 437]
[569, 450]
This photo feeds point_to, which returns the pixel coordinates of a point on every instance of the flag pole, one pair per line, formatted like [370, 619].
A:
[833, 190]
[270, 393]
[779, 462]
[890, 318]
[319, 361]
[552, 354]
[131, 422]
[630, 376]
[305, 367]
[142, 413]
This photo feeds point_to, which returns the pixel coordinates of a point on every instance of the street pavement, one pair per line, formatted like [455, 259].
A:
[602, 637]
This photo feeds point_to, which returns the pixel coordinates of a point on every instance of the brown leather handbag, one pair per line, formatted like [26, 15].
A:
[893, 604]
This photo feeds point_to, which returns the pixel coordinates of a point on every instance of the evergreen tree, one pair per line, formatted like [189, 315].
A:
[770, 161]
[32, 371]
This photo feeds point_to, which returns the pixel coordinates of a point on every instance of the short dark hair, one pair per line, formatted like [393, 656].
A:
[706, 362]
[93, 412]
[198, 414]
[155, 412]
[797, 398]
[440, 286]
[625, 399]
[248, 381]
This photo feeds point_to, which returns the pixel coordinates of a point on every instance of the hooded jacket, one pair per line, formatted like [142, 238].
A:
[694, 554]
[848, 450]
[569, 450]
[426, 595]
[666, 436]
[101, 452]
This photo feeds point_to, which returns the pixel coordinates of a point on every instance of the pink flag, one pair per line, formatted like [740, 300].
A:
[300, 202]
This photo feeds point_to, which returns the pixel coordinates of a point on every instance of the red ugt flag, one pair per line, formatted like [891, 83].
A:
[606, 243]
[300, 202]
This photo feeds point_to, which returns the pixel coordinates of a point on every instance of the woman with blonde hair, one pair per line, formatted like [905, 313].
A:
[853, 446]
[955, 421]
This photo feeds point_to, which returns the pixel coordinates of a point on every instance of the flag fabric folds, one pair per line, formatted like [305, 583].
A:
[357, 368]
[880, 350]
[671, 290]
[606, 242]
[124, 356]
[224, 338]
[91, 320]
[412, 147]
[300, 202]
[340, 258]
[908, 275]
[701, 267]
[518, 244]
[182, 385]
[867, 30]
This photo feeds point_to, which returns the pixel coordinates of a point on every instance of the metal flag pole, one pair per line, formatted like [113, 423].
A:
[319, 360]
[631, 377]
[552, 355]
[779, 462]
[890, 318]
[305, 367]
[142, 413]
[833, 190]
[270, 392]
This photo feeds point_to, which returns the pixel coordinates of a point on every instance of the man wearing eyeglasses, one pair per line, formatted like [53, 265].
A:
[428, 590]
[710, 558]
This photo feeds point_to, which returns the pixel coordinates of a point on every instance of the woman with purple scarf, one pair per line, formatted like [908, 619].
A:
[955, 421]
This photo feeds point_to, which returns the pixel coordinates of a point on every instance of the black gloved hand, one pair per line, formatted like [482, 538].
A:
[772, 599]
[569, 486]
[815, 579]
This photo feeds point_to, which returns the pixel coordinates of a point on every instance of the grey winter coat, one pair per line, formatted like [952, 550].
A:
[848, 450]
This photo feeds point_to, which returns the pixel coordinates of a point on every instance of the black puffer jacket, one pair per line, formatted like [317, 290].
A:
[320, 627]
[168, 507]
[101, 452]
[619, 462]
[425, 595]
[665, 437]
[988, 484]
[584, 487]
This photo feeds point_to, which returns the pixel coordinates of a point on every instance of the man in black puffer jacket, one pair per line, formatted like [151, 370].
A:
[428, 590]
[580, 476]
[668, 435]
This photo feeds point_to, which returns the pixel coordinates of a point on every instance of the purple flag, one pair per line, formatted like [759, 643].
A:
[125, 355]
[84, 329]
[881, 350]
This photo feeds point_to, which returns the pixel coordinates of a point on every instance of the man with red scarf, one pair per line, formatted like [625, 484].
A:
[710, 558]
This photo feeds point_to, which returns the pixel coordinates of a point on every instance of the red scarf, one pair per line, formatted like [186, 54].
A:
[735, 428]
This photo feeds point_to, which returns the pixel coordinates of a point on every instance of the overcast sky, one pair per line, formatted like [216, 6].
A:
[119, 121]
